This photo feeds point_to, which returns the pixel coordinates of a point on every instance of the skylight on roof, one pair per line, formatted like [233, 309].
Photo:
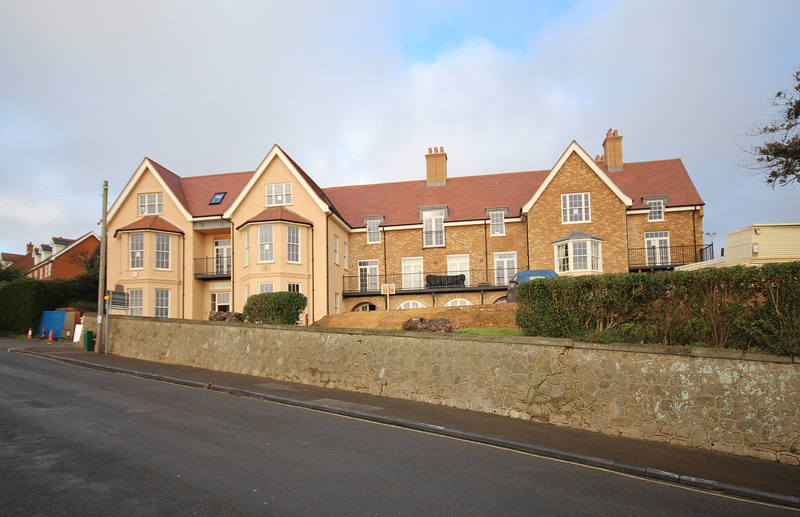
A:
[217, 199]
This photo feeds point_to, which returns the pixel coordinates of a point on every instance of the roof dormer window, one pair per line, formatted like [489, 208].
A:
[217, 199]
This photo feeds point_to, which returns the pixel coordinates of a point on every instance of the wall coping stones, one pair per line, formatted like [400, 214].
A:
[716, 353]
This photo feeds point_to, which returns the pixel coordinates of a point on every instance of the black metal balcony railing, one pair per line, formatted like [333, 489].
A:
[212, 268]
[668, 257]
[430, 281]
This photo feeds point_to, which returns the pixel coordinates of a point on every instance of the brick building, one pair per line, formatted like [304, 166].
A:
[61, 258]
[183, 247]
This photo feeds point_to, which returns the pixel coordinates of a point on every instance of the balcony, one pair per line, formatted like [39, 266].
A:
[212, 268]
[427, 282]
[662, 258]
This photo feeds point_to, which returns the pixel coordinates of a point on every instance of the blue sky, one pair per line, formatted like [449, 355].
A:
[356, 91]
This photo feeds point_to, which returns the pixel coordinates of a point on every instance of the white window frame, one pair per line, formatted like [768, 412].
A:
[576, 208]
[579, 255]
[659, 255]
[497, 223]
[246, 292]
[656, 210]
[433, 228]
[458, 302]
[412, 268]
[344, 254]
[373, 231]
[135, 302]
[293, 287]
[266, 239]
[505, 266]
[223, 256]
[293, 244]
[336, 303]
[136, 251]
[278, 194]
[266, 287]
[336, 249]
[368, 275]
[151, 203]
[411, 304]
[218, 299]
[454, 266]
[247, 246]
[161, 303]
[163, 251]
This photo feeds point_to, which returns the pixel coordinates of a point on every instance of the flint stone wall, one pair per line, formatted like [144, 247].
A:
[730, 401]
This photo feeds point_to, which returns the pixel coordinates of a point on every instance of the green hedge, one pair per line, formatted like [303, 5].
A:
[23, 300]
[281, 308]
[734, 307]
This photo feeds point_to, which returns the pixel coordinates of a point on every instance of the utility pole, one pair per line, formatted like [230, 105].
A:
[101, 284]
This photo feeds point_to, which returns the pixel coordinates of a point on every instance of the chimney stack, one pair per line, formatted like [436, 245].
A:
[436, 167]
[612, 146]
[29, 248]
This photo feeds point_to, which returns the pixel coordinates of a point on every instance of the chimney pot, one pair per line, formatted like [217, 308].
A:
[430, 151]
[616, 132]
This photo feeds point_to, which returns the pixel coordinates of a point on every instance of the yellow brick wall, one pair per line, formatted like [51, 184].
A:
[608, 214]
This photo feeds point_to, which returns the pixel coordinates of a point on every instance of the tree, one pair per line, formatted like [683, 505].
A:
[778, 156]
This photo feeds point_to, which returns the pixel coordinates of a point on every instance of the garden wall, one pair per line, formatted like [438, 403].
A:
[731, 401]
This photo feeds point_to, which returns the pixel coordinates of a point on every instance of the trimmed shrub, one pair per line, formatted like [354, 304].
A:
[733, 307]
[282, 308]
[23, 300]
[21, 304]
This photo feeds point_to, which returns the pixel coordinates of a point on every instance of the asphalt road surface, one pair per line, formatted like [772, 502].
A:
[76, 441]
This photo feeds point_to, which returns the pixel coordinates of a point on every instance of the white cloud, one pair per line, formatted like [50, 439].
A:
[204, 87]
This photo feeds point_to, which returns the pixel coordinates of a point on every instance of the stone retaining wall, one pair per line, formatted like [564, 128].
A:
[736, 402]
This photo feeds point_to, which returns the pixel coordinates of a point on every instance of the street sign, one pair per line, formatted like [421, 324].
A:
[117, 300]
[387, 289]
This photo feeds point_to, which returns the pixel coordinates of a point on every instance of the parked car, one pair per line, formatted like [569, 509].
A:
[525, 276]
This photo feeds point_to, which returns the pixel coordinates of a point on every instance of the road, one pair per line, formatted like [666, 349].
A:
[76, 441]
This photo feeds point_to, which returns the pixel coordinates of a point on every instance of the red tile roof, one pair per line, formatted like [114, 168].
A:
[278, 214]
[466, 197]
[200, 189]
[654, 179]
[150, 222]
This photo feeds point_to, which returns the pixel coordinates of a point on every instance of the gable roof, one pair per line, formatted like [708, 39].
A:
[578, 150]
[170, 182]
[72, 244]
[466, 197]
[317, 194]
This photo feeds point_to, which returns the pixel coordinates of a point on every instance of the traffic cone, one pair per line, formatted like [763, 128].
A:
[42, 336]
[30, 333]
[50, 337]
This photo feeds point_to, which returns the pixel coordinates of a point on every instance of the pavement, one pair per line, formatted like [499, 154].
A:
[739, 476]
